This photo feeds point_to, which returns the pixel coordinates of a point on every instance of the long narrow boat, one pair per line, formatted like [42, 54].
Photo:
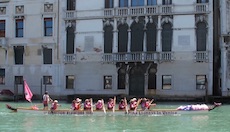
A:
[152, 112]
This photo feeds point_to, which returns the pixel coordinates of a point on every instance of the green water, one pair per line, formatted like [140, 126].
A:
[217, 120]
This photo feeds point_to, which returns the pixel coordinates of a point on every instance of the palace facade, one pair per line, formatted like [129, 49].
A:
[116, 47]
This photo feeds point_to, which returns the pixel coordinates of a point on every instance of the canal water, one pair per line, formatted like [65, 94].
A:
[217, 120]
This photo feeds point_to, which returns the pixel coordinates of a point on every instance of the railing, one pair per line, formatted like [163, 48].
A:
[137, 11]
[70, 58]
[166, 56]
[201, 7]
[201, 56]
[130, 57]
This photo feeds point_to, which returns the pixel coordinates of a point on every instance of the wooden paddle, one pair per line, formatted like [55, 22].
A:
[103, 105]
[126, 106]
[114, 103]
[150, 103]
[91, 101]
[138, 102]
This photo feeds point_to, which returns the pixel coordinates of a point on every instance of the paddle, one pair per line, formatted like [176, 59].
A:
[150, 103]
[91, 101]
[138, 102]
[126, 105]
[114, 103]
[103, 104]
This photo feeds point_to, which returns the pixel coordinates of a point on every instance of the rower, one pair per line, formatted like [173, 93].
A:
[122, 104]
[133, 104]
[87, 104]
[99, 105]
[110, 104]
[54, 105]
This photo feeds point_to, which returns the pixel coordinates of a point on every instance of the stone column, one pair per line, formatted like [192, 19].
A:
[115, 37]
[159, 29]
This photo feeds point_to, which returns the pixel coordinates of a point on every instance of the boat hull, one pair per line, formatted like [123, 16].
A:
[155, 112]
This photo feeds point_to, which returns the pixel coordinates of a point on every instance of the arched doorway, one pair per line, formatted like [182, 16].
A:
[136, 81]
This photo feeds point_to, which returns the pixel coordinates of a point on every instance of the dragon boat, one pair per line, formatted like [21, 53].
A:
[152, 112]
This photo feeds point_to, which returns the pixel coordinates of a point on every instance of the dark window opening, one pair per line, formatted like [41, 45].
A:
[47, 80]
[71, 4]
[202, 1]
[18, 54]
[2, 28]
[137, 35]
[201, 32]
[108, 39]
[70, 82]
[18, 79]
[122, 38]
[167, 37]
[108, 3]
[47, 56]
[151, 34]
[121, 79]
[70, 35]
[2, 76]
[167, 2]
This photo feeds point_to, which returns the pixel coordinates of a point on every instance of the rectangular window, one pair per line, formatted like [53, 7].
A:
[47, 56]
[2, 28]
[47, 80]
[202, 1]
[167, 2]
[18, 54]
[200, 82]
[18, 79]
[123, 3]
[108, 3]
[166, 82]
[2, 76]
[107, 82]
[138, 2]
[152, 2]
[48, 26]
[19, 28]
[121, 81]
[70, 82]
[71, 4]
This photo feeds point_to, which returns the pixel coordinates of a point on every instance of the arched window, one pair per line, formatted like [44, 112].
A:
[108, 38]
[108, 3]
[166, 37]
[70, 40]
[123, 3]
[138, 2]
[122, 37]
[201, 36]
[151, 34]
[137, 35]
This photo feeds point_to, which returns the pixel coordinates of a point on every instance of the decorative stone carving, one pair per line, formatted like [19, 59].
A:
[2, 10]
[19, 9]
[48, 7]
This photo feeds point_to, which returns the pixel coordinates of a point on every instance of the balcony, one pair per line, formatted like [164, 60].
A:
[167, 56]
[201, 56]
[197, 8]
[69, 58]
[130, 57]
